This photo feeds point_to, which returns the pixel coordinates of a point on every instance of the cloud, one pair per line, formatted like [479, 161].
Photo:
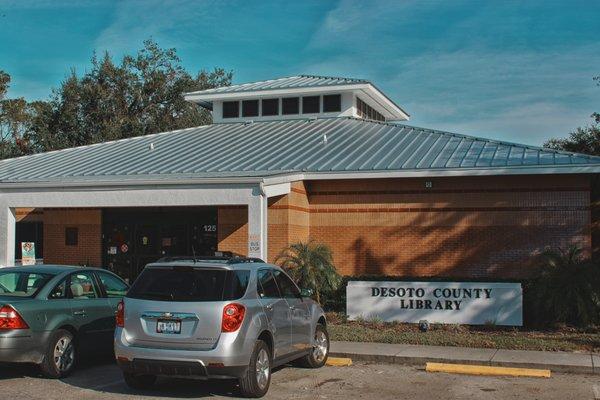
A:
[454, 68]
[135, 21]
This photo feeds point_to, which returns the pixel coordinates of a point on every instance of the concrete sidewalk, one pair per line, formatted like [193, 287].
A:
[415, 354]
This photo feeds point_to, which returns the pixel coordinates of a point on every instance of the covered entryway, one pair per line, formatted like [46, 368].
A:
[134, 237]
[164, 205]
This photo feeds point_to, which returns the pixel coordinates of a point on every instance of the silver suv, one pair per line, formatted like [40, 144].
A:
[217, 318]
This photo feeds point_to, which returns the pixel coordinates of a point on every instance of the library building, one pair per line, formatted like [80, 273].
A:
[301, 158]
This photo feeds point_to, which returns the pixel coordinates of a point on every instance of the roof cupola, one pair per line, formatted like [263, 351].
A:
[302, 96]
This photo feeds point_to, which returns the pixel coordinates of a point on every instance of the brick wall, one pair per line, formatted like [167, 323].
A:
[288, 221]
[232, 229]
[461, 227]
[88, 250]
[475, 227]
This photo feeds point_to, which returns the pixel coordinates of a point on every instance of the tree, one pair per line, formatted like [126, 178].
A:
[584, 139]
[311, 266]
[140, 95]
[15, 117]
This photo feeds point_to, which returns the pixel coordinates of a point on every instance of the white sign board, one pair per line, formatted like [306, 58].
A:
[254, 246]
[27, 253]
[473, 303]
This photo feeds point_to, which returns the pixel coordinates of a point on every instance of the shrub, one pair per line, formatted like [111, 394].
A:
[311, 266]
[567, 290]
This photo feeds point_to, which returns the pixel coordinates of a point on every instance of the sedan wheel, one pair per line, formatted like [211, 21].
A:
[64, 354]
[61, 355]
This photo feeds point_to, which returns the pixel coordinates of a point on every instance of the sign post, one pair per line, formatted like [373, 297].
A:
[27, 253]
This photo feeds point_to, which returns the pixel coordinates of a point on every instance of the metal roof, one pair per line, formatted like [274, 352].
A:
[290, 82]
[262, 149]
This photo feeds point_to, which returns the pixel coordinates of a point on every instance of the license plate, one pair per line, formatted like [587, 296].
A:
[168, 327]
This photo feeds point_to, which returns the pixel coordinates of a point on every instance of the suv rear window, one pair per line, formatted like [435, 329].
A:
[189, 284]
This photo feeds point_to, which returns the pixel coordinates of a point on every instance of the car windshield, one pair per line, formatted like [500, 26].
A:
[189, 284]
[22, 284]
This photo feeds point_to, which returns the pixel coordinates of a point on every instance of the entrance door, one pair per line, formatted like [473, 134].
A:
[134, 237]
[117, 249]
[173, 240]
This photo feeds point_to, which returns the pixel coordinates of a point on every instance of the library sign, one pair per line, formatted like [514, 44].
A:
[473, 303]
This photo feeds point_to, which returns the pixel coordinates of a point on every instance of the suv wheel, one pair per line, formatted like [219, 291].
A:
[139, 381]
[258, 377]
[320, 351]
[59, 359]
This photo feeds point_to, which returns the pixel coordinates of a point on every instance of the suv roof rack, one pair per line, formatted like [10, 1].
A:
[224, 256]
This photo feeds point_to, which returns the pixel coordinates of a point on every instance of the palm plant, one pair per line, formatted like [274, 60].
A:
[567, 289]
[310, 264]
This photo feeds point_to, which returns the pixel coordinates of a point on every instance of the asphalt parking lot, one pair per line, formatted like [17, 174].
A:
[102, 380]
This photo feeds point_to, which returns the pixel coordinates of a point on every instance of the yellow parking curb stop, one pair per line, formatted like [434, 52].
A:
[339, 362]
[485, 370]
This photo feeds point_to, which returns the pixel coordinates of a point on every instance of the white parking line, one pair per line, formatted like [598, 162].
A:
[596, 390]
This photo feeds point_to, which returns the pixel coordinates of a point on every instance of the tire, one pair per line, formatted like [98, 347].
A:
[257, 380]
[320, 352]
[61, 355]
[139, 382]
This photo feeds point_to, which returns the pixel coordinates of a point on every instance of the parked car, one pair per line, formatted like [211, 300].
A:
[51, 313]
[217, 318]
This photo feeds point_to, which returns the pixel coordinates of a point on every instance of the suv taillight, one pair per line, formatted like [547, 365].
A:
[120, 315]
[233, 316]
[10, 319]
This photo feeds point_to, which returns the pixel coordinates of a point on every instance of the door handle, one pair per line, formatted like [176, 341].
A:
[80, 312]
[269, 307]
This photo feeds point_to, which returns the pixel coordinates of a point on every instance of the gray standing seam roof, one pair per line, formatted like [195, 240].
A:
[290, 82]
[274, 147]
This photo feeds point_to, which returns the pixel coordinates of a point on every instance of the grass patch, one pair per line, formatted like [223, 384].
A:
[560, 339]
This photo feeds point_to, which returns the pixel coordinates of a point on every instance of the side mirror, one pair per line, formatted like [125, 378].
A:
[306, 292]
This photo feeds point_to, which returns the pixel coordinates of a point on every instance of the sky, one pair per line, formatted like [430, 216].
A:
[519, 71]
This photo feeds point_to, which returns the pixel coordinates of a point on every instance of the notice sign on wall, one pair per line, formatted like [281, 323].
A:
[27, 253]
[254, 246]
[473, 303]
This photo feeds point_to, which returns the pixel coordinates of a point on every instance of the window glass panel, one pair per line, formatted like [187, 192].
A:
[332, 103]
[249, 108]
[113, 286]
[266, 286]
[82, 286]
[22, 284]
[290, 105]
[236, 284]
[180, 283]
[366, 111]
[60, 291]
[71, 236]
[231, 109]
[270, 107]
[29, 232]
[287, 287]
[310, 105]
